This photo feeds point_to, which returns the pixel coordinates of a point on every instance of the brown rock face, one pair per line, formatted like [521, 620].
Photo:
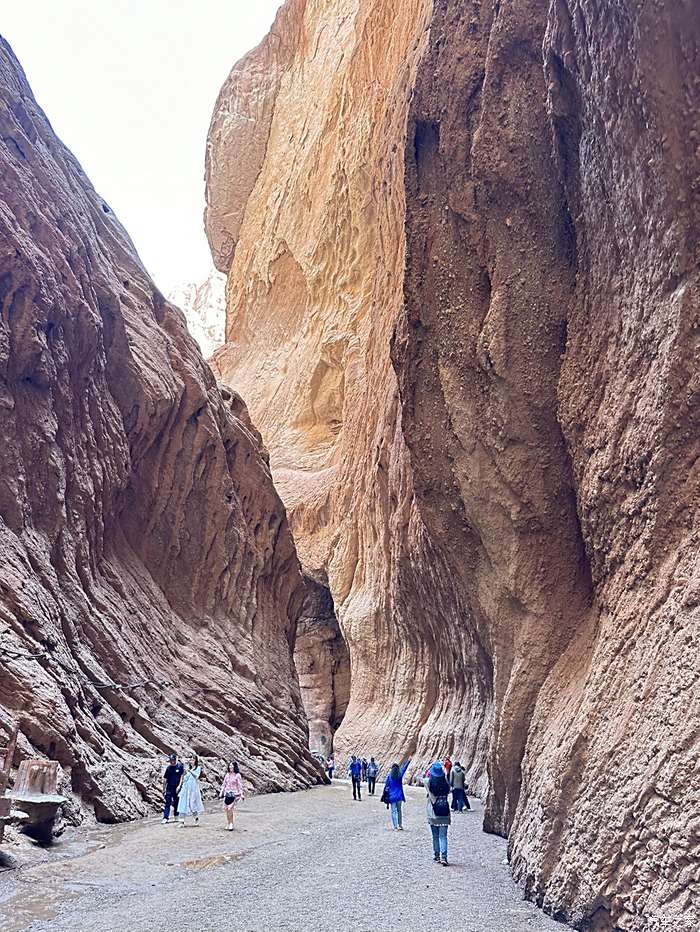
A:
[323, 665]
[141, 539]
[314, 289]
[512, 547]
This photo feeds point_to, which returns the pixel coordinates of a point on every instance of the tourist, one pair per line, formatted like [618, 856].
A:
[190, 803]
[171, 782]
[232, 792]
[457, 779]
[438, 811]
[372, 771]
[394, 796]
[330, 767]
[447, 764]
[364, 769]
[355, 770]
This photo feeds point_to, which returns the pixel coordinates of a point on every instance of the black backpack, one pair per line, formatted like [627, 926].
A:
[441, 807]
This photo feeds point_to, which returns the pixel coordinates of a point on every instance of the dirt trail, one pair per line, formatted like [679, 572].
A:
[313, 861]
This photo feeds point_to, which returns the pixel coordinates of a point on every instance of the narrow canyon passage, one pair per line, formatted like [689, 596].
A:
[311, 861]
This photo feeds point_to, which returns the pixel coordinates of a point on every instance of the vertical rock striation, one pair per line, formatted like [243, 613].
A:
[463, 279]
[141, 539]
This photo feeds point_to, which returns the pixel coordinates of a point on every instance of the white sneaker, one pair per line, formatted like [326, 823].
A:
[163, 821]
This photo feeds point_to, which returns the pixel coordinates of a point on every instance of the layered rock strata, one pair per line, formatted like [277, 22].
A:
[463, 272]
[149, 585]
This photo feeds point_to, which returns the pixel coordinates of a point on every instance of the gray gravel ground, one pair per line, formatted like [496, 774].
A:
[312, 861]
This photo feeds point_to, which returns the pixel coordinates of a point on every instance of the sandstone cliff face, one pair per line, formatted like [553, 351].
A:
[204, 306]
[505, 208]
[551, 330]
[141, 539]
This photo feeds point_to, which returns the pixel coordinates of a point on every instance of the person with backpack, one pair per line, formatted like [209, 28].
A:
[438, 811]
[394, 796]
[355, 770]
[372, 771]
[457, 779]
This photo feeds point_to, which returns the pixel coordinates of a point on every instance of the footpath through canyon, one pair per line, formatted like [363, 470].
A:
[461, 242]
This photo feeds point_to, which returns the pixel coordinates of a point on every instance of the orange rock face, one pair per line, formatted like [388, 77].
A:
[494, 221]
[141, 539]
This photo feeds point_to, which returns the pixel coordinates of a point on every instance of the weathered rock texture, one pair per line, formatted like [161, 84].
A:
[317, 114]
[322, 662]
[512, 549]
[141, 539]
[204, 306]
[548, 365]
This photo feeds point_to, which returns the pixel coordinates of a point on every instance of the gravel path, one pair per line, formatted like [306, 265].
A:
[308, 861]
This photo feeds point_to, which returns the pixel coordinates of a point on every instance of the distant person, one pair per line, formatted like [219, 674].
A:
[355, 770]
[330, 767]
[447, 764]
[457, 780]
[372, 771]
[438, 811]
[364, 769]
[171, 782]
[232, 793]
[393, 794]
[190, 803]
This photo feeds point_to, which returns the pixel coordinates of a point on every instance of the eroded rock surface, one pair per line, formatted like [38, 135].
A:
[512, 547]
[141, 539]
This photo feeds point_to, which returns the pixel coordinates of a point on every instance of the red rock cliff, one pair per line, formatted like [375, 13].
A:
[505, 503]
[141, 538]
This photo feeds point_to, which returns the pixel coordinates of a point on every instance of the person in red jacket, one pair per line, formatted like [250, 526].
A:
[447, 764]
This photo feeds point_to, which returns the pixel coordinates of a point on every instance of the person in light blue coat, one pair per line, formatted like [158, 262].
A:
[393, 794]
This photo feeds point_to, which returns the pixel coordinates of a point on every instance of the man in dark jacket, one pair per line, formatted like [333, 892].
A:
[171, 782]
[372, 771]
[356, 777]
[457, 780]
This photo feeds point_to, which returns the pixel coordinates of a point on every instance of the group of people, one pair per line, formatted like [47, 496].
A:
[440, 779]
[182, 792]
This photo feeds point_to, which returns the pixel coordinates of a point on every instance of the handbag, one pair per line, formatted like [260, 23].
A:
[385, 797]
[229, 799]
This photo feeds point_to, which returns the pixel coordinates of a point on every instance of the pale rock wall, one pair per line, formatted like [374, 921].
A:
[141, 538]
[314, 288]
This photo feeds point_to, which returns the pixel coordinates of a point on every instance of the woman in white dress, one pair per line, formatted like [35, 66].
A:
[190, 796]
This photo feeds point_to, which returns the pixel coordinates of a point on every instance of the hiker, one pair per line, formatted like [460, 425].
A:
[372, 771]
[190, 803]
[393, 794]
[457, 780]
[232, 792]
[355, 770]
[330, 767]
[438, 811]
[364, 769]
[171, 782]
[447, 764]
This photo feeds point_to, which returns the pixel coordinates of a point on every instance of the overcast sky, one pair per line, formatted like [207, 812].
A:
[129, 86]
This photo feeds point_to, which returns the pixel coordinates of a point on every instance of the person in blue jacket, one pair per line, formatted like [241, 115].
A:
[393, 794]
[355, 769]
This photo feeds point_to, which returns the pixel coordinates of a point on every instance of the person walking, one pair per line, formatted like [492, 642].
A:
[438, 811]
[372, 771]
[171, 782]
[394, 796]
[330, 767]
[190, 803]
[447, 764]
[356, 777]
[232, 793]
[364, 769]
[457, 779]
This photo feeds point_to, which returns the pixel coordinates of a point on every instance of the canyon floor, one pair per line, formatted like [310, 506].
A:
[314, 860]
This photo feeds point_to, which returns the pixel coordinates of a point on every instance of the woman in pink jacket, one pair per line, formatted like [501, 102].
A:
[232, 792]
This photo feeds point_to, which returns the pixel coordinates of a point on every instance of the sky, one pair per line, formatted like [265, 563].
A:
[130, 86]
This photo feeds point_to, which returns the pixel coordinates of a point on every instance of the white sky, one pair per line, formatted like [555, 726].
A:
[129, 86]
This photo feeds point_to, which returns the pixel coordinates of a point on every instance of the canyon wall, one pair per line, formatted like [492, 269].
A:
[149, 585]
[463, 306]
[317, 117]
